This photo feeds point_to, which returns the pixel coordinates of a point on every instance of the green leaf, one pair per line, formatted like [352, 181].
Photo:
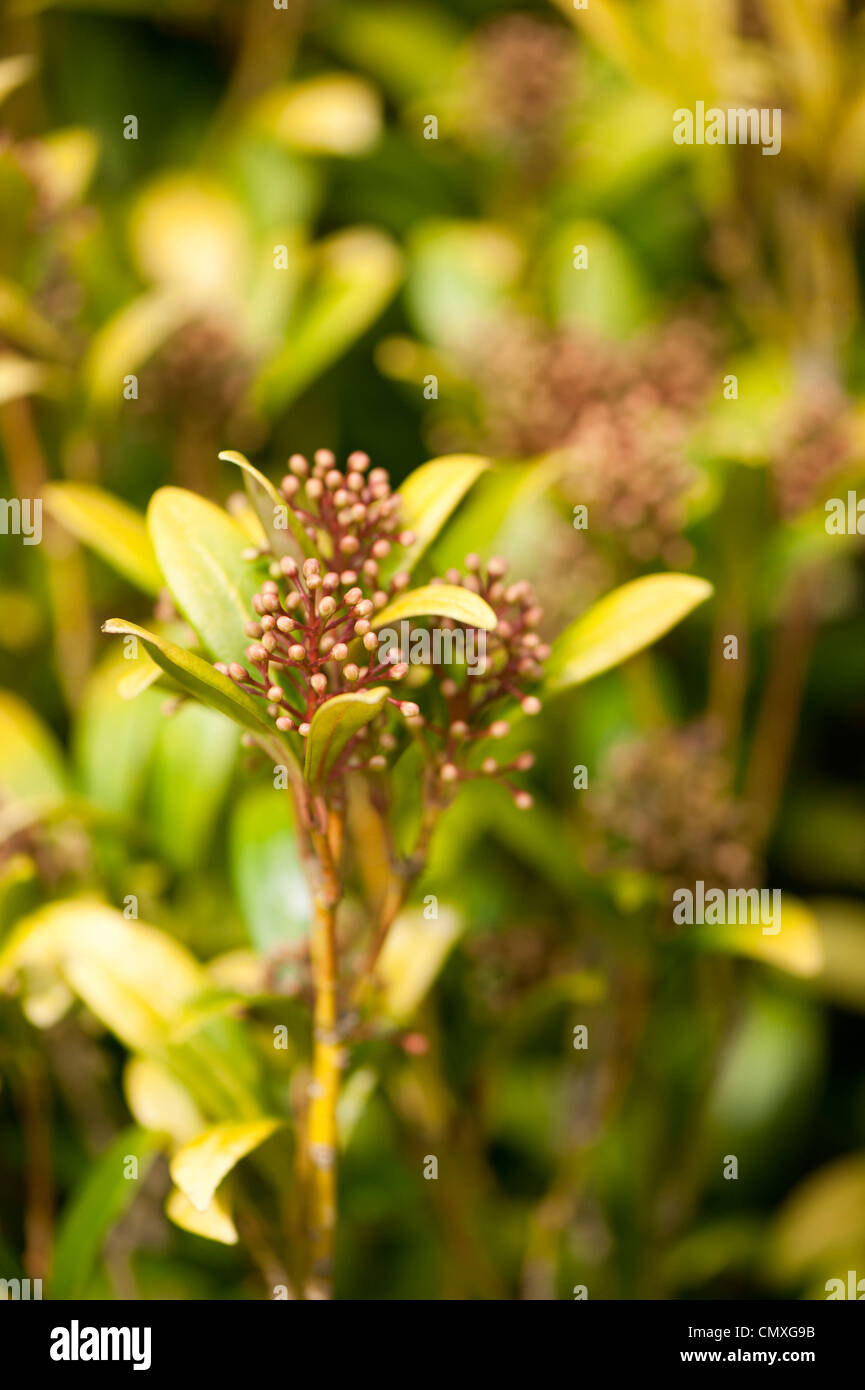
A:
[100, 1201]
[203, 682]
[266, 869]
[200, 552]
[622, 623]
[114, 739]
[334, 723]
[429, 495]
[114, 530]
[200, 1166]
[461, 279]
[191, 771]
[358, 273]
[22, 324]
[438, 601]
[608, 296]
[266, 499]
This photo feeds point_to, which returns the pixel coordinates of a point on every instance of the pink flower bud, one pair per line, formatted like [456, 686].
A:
[221, 667]
[303, 730]
[288, 566]
[358, 460]
[327, 607]
[324, 458]
[319, 682]
[500, 729]
[497, 567]
[339, 652]
[297, 652]
[370, 641]
[449, 773]
[350, 671]
[285, 724]
[256, 653]
[524, 761]
[524, 801]
[409, 709]
[530, 705]
[275, 694]
[489, 766]
[252, 629]
[237, 672]
[298, 465]
[399, 670]
[380, 549]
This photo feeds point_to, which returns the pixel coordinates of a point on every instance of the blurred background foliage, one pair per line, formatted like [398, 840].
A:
[283, 259]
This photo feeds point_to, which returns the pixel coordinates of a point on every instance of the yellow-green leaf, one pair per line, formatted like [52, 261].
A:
[201, 680]
[796, 946]
[334, 723]
[200, 552]
[189, 233]
[159, 1102]
[413, 955]
[622, 623]
[822, 1225]
[200, 1166]
[268, 503]
[127, 340]
[110, 527]
[14, 71]
[429, 495]
[333, 113]
[214, 1223]
[134, 978]
[357, 273]
[31, 766]
[438, 601]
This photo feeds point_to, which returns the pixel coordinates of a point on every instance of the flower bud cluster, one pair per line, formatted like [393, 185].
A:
[313, 633]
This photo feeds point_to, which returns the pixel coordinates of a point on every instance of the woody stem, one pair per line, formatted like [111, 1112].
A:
[324, 1091]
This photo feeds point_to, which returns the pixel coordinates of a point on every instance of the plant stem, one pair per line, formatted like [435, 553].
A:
[326, 1066]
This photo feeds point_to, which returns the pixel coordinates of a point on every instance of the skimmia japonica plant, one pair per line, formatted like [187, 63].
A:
[317, 615]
